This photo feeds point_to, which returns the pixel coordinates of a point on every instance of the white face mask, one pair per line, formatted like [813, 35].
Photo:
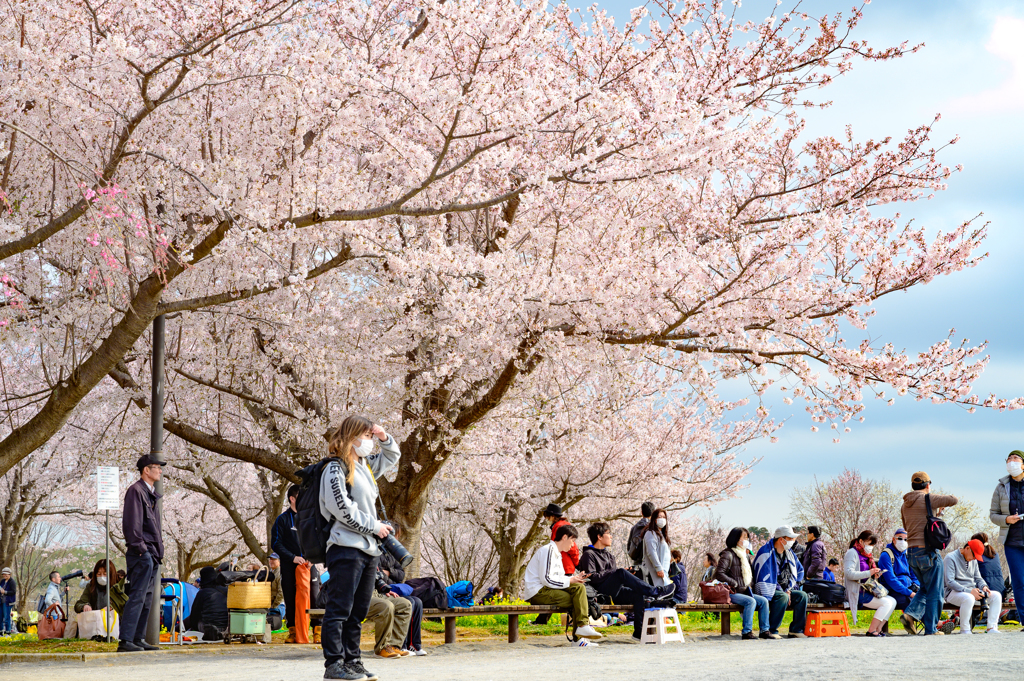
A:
[364, 449]
[789, 544]
[102, 581]
[661, 522]
[867, 549]
[900, 544]
[745, 544]
[1014, 467]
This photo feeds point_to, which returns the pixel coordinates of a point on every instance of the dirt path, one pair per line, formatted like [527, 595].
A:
[703, 656]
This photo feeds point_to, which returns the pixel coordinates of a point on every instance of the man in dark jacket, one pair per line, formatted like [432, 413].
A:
[622, 586]
[814, 555]
[285, 542]
[636, 532]
[145, 551]
[210, 607]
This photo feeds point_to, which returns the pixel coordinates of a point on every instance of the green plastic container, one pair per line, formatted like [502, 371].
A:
[247, 622]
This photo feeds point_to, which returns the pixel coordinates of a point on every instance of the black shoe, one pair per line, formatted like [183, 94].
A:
[357, 667]
[343, 672]
[146, 646]
[749, 636]
[664, 591]
[129, 647]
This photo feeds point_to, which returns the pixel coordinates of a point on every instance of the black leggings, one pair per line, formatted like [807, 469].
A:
[348, 600]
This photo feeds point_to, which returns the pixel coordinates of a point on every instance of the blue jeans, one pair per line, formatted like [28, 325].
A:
[750, 603]
[5, 618]
[777, 610]
[927, 604]
[1015, 562]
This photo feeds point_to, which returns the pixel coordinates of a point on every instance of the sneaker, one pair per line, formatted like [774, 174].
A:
[749, 636]
[992, 631]
[388, 652]
[129, 647]
[768, 635]
[934, 633]
[418, 652]
[342, 672]
[798, 634]
[588, 632]
[586, 643]
[404, 652]
[358, 668]
[664, 591]
[635, 639]
[909, 623]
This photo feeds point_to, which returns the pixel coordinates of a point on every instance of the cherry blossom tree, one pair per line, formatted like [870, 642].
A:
[419, 210]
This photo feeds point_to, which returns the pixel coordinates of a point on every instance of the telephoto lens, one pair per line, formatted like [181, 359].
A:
[395, 548]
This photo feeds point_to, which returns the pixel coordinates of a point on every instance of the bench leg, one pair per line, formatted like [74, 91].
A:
[513, 628]
[726, 619]
[449, 629]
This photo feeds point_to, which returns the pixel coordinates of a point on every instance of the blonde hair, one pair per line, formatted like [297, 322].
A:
[340, 442]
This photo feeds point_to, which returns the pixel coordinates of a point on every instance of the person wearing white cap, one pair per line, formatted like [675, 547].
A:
[777, 573]
[8, 594]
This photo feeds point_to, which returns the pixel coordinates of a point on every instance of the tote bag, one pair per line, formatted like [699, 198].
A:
[51, 624]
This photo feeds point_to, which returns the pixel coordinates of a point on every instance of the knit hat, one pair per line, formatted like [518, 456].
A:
[1016, 452]
[920, 477]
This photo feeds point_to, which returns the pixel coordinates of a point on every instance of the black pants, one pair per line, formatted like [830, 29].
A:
[624, 587]
[348, 600]
[288, 588]
[135, 616]
[413, 640]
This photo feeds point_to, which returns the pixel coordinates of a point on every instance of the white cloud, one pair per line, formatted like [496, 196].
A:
[1006, 42]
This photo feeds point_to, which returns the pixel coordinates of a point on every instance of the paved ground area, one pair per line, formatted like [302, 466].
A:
[703, 656]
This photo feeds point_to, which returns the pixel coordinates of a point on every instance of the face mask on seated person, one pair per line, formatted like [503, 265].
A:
[102, 581]
[900, 544]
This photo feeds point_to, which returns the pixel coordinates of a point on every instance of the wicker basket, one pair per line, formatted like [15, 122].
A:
[250, 594]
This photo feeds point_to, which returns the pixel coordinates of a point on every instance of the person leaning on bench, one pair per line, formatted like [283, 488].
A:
[620, 585]
[545, 582]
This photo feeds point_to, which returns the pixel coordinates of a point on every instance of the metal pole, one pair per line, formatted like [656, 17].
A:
[156, 439]
[110, 578]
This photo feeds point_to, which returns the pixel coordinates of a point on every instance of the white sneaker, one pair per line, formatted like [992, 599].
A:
[588, 632]
[992, 631]
[585, 643]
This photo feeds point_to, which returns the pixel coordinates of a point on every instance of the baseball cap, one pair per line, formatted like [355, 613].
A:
[899, 530]
[784, 531]
[978, 548]
[273, 556]
[147, 460]
[920, 477]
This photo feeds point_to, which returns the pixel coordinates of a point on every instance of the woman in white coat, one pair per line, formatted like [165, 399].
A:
[657, 549]
[858, 565]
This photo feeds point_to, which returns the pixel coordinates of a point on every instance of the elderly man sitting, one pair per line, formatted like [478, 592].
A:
[777, 573]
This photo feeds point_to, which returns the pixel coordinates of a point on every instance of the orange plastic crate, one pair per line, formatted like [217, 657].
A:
[826, 623]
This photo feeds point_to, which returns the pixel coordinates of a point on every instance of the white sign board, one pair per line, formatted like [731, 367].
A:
[108, 493]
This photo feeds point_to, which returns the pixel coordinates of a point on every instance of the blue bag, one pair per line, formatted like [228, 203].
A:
[460, 594]
[403, 590]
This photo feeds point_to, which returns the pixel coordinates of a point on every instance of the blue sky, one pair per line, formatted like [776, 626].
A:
[971, 70]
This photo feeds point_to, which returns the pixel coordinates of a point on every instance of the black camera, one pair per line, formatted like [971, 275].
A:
[397, 551]
[380, 584]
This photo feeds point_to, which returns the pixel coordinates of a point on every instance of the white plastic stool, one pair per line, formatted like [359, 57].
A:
[659, 625]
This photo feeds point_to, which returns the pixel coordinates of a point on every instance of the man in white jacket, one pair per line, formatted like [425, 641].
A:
[545, 582]
[965, 586]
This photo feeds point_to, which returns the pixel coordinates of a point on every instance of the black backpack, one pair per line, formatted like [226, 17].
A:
[635, 545]
[936, 535]
[430, 590]
[312, 528]
[824, 591]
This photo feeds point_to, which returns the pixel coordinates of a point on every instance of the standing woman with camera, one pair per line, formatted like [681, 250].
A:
[348, 496]
[1007, 511]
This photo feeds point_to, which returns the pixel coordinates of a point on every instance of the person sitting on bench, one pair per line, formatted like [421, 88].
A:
[896, 575]
[777, 574]
[545, 582]
[618, 584]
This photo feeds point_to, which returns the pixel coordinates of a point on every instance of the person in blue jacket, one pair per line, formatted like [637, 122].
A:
[828, 574]
[896, 574]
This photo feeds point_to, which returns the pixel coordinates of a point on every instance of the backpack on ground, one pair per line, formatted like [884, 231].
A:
[312, 528]
[430, 590]
[635, 545]
[936, 535]
[460, 594]
[824, 591]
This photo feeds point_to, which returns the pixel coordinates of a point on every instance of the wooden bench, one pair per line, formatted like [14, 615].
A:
[451, 615]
